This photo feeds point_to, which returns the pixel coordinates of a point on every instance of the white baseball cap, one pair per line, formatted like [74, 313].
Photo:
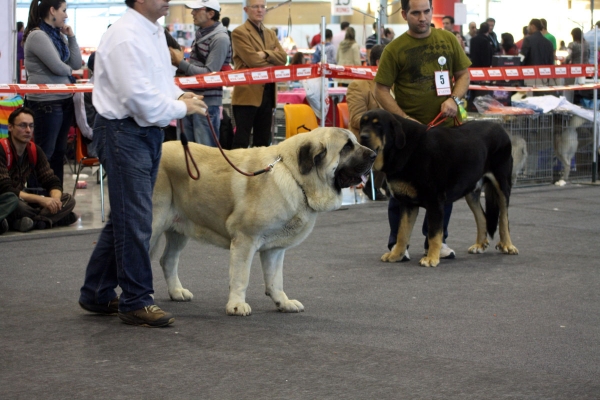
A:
[212, 4]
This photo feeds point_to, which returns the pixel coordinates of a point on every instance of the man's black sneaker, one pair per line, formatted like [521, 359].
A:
[3, 226]
[39, 225]
[112, 308]
[68, 220]
[149, 316]
[24, 224]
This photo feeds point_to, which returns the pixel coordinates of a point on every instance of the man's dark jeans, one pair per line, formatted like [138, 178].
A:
[52, 122]
[131, 155]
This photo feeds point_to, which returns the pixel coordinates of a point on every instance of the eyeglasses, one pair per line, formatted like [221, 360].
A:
[257, 6]
[24, 125]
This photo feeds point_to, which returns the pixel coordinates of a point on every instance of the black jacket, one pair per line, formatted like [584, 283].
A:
[537, 50]
[481, 51]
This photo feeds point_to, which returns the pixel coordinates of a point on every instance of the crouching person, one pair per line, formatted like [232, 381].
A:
[19, 158]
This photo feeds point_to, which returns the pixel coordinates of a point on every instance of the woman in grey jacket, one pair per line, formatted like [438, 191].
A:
[50, 58]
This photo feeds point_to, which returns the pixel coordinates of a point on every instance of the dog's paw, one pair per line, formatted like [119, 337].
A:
[181, 295]
[479, 248]
[290, 306]
[429, 262]
[241, 309]
[510, 249]
[392, 257]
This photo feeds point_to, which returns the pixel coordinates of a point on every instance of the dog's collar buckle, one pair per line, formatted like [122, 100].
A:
[270, 168]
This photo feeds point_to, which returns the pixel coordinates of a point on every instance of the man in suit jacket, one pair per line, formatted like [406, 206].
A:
[481, 49]
[492, 36]
[254, 46]
[536, 49]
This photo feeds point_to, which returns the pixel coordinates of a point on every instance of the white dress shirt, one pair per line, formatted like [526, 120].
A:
[133, 75]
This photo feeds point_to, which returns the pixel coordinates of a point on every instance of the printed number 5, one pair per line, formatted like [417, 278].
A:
[441, 79]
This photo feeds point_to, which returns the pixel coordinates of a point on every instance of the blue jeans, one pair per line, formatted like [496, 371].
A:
[131, 155]
[198, 125]
[52, 120]
[394, 221]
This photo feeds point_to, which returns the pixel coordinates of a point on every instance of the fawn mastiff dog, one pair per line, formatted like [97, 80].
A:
[267, 213]
[427, 168]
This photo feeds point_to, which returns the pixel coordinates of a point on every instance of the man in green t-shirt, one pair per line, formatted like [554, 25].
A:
[420, 65]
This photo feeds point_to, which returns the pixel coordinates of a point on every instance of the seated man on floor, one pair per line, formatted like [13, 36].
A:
[361, 98]
[19, 158]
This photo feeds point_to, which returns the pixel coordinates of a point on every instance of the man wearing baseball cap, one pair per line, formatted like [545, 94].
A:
[211, 52]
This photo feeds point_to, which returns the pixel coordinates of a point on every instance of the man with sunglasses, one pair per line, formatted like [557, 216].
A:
[19, 158]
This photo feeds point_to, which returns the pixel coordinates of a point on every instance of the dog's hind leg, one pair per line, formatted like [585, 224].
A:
[169, 263]
[497, 192]
[242, 252]
[272, 265]
[481, 242]
[408, 216]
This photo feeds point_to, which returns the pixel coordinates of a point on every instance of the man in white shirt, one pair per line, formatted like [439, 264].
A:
[471, 34]
[135, 95]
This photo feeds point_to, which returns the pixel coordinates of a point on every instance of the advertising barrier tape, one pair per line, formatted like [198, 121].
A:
[584, 86]
[299, 72]
[531, 72]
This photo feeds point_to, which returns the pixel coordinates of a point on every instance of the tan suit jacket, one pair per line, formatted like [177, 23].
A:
[361, 98]
[246, 42]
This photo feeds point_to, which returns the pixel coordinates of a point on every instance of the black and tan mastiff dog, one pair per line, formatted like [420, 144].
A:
[426, 168]
[267, 213]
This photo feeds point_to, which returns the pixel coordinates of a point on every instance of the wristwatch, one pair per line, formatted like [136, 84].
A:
[456, 100]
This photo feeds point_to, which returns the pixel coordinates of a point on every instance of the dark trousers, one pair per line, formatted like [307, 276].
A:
[37, 213]
[258, 120]
[52, 120]
[131, 155]
[394, 221]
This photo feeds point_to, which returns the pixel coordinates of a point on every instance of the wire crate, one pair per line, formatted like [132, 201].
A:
[532, 145]
[573, 148]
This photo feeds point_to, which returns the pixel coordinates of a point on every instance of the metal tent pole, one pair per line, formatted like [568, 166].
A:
[595, 148]
[323, 79]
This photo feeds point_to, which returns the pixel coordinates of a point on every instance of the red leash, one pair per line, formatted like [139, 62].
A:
[188, 155]
[439, 119]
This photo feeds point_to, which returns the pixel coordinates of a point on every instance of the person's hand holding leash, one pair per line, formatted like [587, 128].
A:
[193, 103]
[449, 108]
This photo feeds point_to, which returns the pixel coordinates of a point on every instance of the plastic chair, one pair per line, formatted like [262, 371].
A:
[343, 115]
[299, 118]
[82, 159]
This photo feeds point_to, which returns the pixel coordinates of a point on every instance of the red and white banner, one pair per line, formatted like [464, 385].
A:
[531, 72]
[299, 72]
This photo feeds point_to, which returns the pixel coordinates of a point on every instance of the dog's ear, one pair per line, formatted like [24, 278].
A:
[399, 136]
[309, 157]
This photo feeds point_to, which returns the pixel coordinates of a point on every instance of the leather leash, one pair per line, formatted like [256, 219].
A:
[190, 159]
[439, 119]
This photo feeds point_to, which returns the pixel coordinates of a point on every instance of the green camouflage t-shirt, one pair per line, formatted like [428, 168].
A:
[409, 64]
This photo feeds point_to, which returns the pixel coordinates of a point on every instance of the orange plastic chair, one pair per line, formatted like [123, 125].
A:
[82, 159]
[343, 115]
[299, 118]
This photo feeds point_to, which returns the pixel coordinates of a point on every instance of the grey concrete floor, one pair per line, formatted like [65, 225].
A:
[484, 326]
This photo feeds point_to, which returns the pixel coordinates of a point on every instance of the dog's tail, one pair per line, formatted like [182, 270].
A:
[492, 206]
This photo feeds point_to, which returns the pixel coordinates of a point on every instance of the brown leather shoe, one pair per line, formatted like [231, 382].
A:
[149, 316]
[112, 308]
